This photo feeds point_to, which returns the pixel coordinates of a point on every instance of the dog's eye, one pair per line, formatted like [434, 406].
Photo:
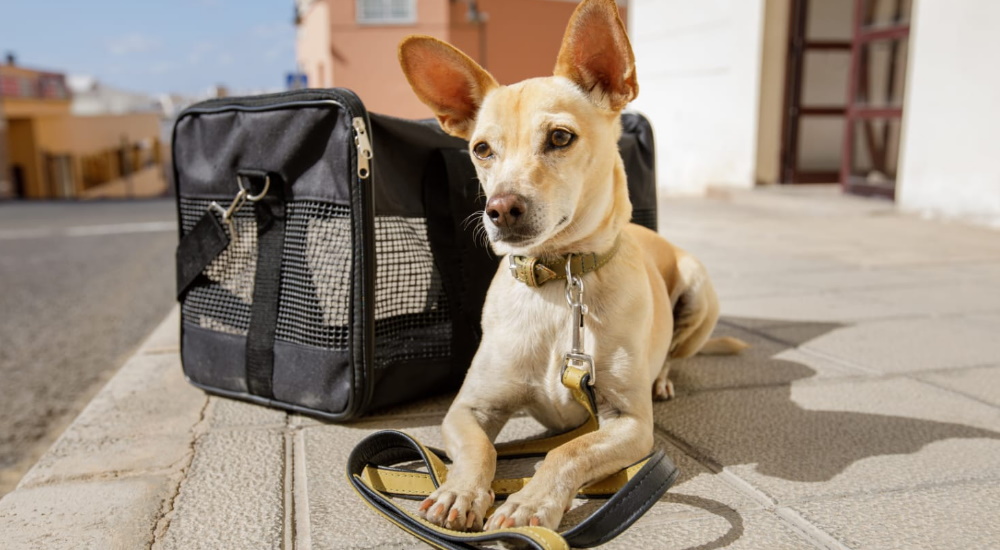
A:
[560, 138]
[482, 150]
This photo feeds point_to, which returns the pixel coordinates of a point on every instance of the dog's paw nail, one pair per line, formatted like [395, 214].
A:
[493, 496]
[437, 511]
[427, 503]
[453, 515]
[509, 522]
[496, 522]
[535, 522]
[470, 520]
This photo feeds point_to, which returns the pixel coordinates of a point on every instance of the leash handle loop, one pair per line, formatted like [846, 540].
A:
[646, 483]
[372, 473]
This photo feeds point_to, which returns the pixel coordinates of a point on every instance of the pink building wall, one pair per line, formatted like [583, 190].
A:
[521, 40]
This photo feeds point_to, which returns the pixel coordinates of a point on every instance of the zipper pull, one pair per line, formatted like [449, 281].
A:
[364, 148]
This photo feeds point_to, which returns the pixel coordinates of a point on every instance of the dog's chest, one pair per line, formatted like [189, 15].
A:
[553, 405]
[532, 328]
[549, 322]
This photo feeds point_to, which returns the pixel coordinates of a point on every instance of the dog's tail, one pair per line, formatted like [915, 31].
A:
[723, 346]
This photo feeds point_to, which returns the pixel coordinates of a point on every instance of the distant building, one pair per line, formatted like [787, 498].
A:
[352, 43]
[50, 152]
[91, 98]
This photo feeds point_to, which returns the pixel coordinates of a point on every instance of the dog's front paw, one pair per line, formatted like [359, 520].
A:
[521, 511]
[458, 509]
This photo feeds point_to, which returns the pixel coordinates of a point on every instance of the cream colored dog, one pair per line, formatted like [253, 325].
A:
[546, 152]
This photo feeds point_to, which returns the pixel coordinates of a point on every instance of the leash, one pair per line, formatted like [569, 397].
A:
[373, 471]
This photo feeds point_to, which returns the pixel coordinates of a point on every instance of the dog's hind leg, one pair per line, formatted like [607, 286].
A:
[696, 311]
[692, 326]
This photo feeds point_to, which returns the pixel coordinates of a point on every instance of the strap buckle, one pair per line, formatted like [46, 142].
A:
[577, 357]
[244, 195]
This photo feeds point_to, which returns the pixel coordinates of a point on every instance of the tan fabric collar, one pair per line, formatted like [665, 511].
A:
[535, 272]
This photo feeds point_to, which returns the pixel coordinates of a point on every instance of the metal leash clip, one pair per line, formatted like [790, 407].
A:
[228, 214]
[577, 357]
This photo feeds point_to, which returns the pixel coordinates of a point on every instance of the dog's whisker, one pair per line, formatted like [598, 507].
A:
[472, 218]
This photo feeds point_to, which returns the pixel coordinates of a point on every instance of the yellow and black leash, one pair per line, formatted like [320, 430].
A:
[372, 471]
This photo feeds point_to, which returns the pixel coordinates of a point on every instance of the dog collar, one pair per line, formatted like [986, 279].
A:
[535, 272]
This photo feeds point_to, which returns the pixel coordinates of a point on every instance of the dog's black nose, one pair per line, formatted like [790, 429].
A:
[506, 210]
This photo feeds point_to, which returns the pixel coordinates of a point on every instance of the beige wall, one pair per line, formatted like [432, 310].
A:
[774, 53]
[15, 107]
[56, 150]
[29, 140]
[92, 134]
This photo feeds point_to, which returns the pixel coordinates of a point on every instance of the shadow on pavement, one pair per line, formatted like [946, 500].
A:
[762, 424]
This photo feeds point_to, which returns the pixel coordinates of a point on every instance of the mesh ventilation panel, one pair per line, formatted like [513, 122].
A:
[314, 300]
[412, 319]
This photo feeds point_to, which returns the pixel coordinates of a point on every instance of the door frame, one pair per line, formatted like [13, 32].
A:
[798, 47]
[864, 114]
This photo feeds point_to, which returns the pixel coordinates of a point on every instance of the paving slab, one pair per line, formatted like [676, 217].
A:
[233, 494]
[952, 517]
[232, 414]
[732, 285]
[114, 513]
[968, 297]
[839, 436]
[981, 383]
[767, 362]
[166, 337]
[141, 421]
[720, 528]
[825, 307]
[910, 344]
[336, 517]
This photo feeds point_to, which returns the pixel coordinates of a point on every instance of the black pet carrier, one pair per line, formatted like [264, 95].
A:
[326, 264]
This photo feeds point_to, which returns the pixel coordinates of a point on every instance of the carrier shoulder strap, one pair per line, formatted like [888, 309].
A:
[270, 213]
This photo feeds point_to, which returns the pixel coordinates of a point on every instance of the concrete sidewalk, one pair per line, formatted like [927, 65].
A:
[866, 414]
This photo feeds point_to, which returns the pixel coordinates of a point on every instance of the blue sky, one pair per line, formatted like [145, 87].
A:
[155, 46]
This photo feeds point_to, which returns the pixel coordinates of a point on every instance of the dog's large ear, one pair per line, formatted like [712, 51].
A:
[446, 80]
[597, 56]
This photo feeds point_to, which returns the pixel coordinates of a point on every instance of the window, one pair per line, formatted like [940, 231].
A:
[387, 11]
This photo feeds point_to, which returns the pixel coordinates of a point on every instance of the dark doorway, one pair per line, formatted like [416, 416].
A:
[17, 175]
[816, 78]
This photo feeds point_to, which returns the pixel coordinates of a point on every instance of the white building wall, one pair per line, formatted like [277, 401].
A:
[699, 65]
[950, 158]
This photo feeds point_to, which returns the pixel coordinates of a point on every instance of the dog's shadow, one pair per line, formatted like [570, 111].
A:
[739, 411]
[771, 429]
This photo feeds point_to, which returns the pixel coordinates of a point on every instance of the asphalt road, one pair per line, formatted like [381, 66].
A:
[81, 285]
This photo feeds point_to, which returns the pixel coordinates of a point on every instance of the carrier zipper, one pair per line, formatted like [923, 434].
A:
[364, 147]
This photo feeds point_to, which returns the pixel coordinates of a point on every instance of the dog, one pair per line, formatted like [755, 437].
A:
[546, 153]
